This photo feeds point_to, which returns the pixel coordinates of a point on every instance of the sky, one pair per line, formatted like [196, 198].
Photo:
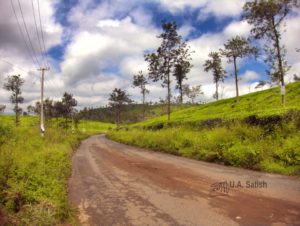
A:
[94, 46]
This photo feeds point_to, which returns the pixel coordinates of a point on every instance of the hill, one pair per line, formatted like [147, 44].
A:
[256, 133]
[261, 103]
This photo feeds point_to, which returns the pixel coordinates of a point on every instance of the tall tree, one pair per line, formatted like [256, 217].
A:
[140, 81]
[237, 47]
[117, 99]
[162, 62]
[182, 67]
[214, 64]
[267, 16]
[13, 84]
[68, 104]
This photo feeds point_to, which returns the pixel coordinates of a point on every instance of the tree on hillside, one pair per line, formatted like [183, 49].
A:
[117, 99]
[214, 64]
[31, 109]
[68, 104]
[192, 92]
[182, 67]
[237, 47]
[2, 108]
[13, 84]
[140, 81]
[162, 62]
[296, 78]
[48, 108]
[267, 17]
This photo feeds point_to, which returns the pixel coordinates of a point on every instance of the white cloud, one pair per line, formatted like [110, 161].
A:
[108, 41]
[91, 52]
[216, 8]
[108, 23]
[241, 28]
[249, 76]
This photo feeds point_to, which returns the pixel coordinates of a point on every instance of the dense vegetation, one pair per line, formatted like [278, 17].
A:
[34, 171]
[255, 133]
[131, 113]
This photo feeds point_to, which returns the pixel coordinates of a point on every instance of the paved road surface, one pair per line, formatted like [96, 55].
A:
[115, 184]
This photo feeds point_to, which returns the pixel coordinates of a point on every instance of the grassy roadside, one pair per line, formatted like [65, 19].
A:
[34, 171]
[256, 133]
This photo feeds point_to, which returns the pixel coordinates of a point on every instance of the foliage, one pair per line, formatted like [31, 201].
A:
[117, 99]
[132, 112]
[182, 67]
[192, 92]
[296, 78]
[2, 108]
[237, 47]
[267, 18]
[13, 84]
[261, 103]
[214, 64]
[34, 171]
[162, 62]
[140, 81]
[67, 106]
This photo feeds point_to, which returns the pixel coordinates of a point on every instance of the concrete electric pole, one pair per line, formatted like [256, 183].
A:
[42, 127]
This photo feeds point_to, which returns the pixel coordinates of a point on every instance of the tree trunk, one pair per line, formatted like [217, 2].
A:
[279, 57]
[217, 92]
[169, 93]
[66, 122]
[236, 80]
[144, 107]
[181, 95]
[169, 99]
[17, 109]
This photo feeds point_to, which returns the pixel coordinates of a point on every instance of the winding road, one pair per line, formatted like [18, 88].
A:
[116, 184]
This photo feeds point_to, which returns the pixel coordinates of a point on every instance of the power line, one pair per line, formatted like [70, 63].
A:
[36, 29]
[22, 34]
[43, 40]
[5, 61]
[25, 26]
[22, 69]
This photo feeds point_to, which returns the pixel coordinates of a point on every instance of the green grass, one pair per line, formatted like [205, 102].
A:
[93, 127]
[261, 103]
[256, 133]
[34, 171]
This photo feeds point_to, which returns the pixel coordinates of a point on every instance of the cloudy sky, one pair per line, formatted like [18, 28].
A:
[94, 46]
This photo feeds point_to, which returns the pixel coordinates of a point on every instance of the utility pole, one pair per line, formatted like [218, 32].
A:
[42, 127]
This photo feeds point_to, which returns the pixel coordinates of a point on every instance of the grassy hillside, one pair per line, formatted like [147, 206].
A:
[255, 133]
[261, 103]
[34, 171]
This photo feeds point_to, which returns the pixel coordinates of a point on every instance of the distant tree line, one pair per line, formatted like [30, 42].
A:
[58, 109]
